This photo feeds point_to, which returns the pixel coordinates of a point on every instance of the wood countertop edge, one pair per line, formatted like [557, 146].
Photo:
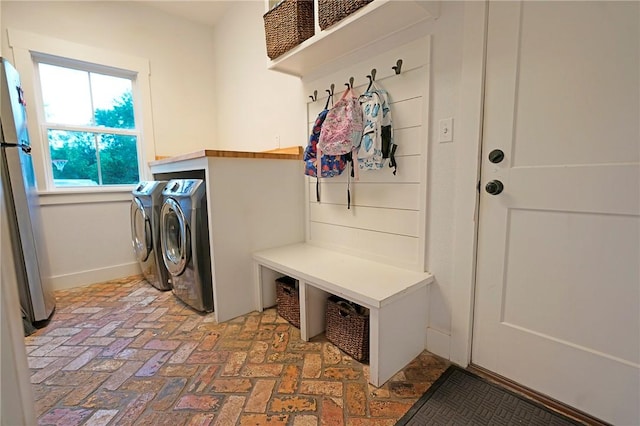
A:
[229, 154]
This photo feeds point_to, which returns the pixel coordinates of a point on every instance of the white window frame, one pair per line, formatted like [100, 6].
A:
[27, 49]
[45, 125]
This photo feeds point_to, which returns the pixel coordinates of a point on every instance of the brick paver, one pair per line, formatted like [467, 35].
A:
[122, 352]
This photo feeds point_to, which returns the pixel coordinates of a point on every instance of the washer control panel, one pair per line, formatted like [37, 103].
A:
[148, 187]
[182, 186]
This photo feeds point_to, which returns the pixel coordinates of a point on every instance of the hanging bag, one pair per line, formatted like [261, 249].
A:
[377, 139]
[331, 165]
[342, 132]
[342, 128]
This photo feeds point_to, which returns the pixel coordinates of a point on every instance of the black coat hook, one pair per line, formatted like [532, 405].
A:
[372, 78]
[330, 91]
[314, 97]
[350, 83]
[398, 67]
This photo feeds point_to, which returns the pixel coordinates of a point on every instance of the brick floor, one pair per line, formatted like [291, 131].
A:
[122, 352]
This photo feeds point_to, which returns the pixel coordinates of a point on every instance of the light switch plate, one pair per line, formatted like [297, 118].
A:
[445, 130]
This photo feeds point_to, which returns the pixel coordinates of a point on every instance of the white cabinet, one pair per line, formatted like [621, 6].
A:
[255, 201]
[376, 21]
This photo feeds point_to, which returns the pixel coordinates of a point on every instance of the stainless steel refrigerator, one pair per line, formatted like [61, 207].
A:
[19, 187]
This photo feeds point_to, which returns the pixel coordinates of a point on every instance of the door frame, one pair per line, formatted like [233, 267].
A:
[468, 154]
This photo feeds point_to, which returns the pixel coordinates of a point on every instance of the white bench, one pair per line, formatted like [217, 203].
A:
[396, 298]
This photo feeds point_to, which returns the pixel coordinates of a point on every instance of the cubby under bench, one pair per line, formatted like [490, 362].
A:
[396, 299]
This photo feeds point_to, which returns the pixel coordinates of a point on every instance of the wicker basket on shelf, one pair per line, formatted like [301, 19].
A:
[288, 300]
[287, 25]
[347, 327]
[332, 11]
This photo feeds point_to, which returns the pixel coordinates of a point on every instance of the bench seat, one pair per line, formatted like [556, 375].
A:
[396, 298]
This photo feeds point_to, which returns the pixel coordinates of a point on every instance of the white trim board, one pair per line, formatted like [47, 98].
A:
[92, 276]
[467, 175]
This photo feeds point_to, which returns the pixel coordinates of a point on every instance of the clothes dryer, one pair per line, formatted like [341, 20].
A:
[145, 232]
[184, 230]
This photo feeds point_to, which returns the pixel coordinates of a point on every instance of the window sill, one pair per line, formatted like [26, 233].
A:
[88, 195]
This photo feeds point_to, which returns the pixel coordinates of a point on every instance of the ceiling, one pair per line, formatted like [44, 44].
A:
[206, 12]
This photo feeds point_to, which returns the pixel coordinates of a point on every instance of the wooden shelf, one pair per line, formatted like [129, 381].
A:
[375, 21]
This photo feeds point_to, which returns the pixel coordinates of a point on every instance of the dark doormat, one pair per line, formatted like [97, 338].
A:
[459, 397]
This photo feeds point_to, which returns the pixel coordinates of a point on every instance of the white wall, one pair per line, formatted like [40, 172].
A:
[87, 235]
[257, 109]
[87, 241]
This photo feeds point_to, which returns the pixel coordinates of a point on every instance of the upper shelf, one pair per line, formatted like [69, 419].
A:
[373, 22]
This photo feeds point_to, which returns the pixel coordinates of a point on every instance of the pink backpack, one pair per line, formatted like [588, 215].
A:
[341, 132]
[342, 128]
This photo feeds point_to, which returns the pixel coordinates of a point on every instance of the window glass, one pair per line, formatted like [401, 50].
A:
[112, 101]
[66, 95]
[118, 159]
[74, 159]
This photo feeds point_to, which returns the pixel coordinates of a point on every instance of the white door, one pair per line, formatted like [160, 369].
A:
[558, 274]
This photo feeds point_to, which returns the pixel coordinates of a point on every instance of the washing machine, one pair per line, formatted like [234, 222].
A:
[145, 232]
[184, 232]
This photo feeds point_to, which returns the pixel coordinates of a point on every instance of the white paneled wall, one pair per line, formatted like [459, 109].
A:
[386, 221]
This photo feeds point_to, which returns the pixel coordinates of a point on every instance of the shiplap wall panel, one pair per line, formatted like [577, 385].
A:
[385, 195]
[387, 219]
[409, 171]
[397, 250]
[409, 141]
[407, 113]
[370, 218]
[404, 86]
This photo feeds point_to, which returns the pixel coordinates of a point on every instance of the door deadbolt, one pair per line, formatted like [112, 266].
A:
[496, 156]
[494, 187]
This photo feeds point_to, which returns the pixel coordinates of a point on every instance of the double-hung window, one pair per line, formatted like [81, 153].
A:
[88, 122]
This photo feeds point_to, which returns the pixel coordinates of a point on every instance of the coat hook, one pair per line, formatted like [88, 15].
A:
[372, 78]
[315, 96]
[350, 83]
[330, 97]
[330, 92]
[398, 66]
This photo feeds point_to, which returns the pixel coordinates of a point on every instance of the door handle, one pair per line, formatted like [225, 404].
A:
[494, 187]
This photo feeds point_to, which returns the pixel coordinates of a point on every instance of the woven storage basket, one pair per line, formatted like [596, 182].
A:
[288, 301]
[287, 25]
[332, 11]
[348, 327]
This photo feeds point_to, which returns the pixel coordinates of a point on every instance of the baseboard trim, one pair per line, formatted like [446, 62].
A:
[438, 343]
[550, 403]
[82, 278]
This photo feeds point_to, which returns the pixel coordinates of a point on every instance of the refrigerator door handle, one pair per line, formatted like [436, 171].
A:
[26, 148]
